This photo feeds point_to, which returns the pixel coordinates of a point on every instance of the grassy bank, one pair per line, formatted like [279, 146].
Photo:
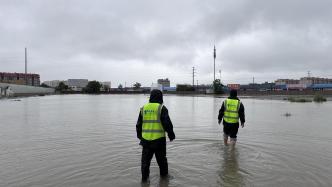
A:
[301, 99]
[319, 98]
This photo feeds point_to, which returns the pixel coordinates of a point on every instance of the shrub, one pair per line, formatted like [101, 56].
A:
[319, 98]
[299, 100]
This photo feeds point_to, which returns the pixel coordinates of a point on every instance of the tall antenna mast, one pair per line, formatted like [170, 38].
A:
[193, 77]
[214, 63]
[26, 67]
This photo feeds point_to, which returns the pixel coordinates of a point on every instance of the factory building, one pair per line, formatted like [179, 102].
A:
[77, 84]
[20, 78]
[164, 82]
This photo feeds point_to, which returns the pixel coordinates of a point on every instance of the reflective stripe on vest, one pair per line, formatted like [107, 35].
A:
[152, 128]
[231, 113]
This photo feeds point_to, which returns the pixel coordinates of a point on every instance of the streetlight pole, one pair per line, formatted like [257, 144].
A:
[214, 63]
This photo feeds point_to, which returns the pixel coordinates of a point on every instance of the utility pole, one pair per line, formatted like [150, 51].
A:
[220, 74]
[193, 77]
[309, 74]
[26, 67]
[214, 63]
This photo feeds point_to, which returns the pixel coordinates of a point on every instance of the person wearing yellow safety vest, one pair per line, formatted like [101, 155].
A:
[153, 121]
[230, 112]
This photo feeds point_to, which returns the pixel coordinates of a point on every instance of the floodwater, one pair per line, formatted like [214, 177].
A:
[90, 140]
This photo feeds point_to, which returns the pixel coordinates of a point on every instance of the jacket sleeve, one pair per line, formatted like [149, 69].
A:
[139, 126]
[221, 112]
[167, 123]
[241, 113]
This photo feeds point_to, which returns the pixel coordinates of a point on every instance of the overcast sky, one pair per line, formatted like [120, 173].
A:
[129, 41]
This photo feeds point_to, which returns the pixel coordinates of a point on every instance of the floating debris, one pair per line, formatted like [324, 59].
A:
[287, 114]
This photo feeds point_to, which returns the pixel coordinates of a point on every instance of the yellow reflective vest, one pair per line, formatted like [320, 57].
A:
[152, 128]
[231, 113]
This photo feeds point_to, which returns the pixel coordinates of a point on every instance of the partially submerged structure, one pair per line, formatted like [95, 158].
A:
[12, 90]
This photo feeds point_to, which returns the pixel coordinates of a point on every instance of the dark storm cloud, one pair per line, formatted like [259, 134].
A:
[112, 39]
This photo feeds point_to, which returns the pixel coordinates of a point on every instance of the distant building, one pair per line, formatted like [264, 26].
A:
[314, 80]
[258, 87]
[53, 83]
[20, 78]
[77, 84]
[106, 86]
[321, 87]
[169, 89]
[202, 87]
[233, 86]
[303, 83]
[164, 82]
[286, 81]
[107, 83]
[296, 86]
[156, 86]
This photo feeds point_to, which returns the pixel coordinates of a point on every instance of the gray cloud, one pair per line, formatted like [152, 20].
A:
[128, 41]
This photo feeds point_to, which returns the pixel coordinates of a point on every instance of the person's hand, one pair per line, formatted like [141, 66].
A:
[242, 124]
[171, 138]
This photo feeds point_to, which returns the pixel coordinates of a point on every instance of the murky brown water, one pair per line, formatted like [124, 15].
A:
[81, 140]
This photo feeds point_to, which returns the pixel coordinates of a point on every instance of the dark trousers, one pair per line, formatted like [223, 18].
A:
[231, 129]
[159, 149]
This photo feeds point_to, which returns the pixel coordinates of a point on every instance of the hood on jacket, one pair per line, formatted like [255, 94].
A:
[156, 96]
[233, 94]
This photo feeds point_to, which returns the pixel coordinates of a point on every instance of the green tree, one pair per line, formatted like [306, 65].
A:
[217, 86]
[93, 87]
[107, 88]
[61, 87]
[184, 87]
[44, 85]
[137, 85]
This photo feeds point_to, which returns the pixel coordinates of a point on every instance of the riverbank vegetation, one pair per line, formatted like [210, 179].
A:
[319, 98]
[299, 99]
[316, 98]
[218, 87]
[93, 87]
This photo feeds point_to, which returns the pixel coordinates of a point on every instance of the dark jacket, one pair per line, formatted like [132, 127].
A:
[156, 97]
[222, 110]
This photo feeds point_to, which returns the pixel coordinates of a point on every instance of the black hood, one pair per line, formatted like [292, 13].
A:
[233, 94]
[156, 96]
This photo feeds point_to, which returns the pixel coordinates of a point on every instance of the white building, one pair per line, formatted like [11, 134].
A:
[53, 83]
[164, 82]
[77, 84]
[156, 86]
[106, 86]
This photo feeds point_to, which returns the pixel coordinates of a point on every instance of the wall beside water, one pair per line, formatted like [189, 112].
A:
[8, 90]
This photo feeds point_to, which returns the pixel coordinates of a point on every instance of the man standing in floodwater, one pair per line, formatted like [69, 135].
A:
[231, 110]
[153, 121]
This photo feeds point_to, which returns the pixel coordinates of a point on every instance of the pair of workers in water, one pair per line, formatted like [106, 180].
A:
[153, 121]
